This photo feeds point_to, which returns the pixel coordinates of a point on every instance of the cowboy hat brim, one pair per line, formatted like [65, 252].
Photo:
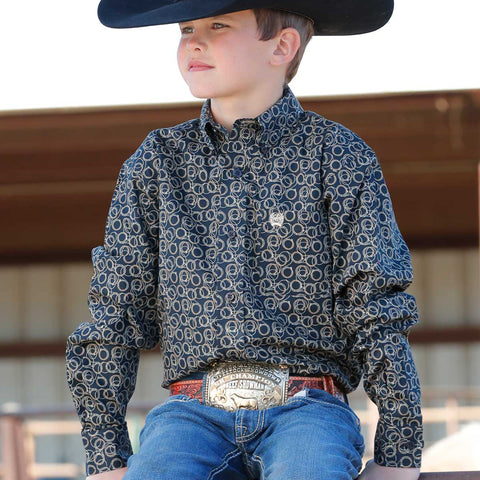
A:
[330, 17]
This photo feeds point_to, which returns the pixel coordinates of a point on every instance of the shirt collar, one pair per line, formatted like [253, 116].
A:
[272, 123]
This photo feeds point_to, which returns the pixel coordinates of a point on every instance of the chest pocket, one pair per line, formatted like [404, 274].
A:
[294, 258]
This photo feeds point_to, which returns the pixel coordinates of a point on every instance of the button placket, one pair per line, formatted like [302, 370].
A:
[232, 193]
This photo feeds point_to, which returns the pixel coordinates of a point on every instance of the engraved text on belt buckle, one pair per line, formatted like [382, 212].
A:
[254, 386]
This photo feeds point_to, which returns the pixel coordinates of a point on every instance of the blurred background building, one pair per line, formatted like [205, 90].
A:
[57, 172]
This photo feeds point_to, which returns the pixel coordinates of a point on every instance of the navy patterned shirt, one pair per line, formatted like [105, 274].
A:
[275, 242]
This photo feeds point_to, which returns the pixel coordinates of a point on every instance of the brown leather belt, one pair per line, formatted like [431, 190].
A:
[234, 385]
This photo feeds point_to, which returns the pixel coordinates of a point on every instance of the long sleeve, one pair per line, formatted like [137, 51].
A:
[102, 356]
[371, 270]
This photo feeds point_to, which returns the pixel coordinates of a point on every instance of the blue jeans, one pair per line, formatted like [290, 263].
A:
[313, 436]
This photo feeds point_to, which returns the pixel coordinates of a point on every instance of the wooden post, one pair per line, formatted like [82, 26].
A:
[451, 419]
[13, 452]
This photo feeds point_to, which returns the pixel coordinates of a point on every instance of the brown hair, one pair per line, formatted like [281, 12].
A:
[270, 21]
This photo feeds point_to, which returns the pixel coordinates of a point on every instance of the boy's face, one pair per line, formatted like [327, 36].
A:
[222, 57]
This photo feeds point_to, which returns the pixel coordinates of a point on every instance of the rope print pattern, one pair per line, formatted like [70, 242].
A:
[276, 243]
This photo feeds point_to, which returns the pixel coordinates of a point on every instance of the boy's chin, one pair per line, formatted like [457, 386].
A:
[199, 93]
[203, 90]
[202, 97]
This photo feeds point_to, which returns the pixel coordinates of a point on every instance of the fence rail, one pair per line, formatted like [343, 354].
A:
[450, 476]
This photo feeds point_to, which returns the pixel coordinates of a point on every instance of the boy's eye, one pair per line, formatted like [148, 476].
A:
[217, 26]
[186, 29]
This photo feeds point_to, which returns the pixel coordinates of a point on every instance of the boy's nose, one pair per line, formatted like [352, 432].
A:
[196, 42]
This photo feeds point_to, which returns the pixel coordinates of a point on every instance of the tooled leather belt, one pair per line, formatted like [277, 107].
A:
[254, 386]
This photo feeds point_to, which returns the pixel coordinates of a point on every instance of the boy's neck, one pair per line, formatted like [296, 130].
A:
[227, 110]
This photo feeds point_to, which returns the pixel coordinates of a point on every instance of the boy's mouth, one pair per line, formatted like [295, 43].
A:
[197, 66]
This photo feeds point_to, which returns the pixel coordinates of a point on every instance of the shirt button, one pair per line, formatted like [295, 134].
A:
[232, 233]
[237, 172]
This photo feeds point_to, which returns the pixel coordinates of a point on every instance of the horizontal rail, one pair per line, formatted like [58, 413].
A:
[55, 470]
[450, 476]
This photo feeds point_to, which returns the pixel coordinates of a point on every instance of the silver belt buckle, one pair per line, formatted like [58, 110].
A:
[254, 386]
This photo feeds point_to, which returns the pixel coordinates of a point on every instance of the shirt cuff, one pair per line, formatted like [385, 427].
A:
[106, 448]
[398, 446]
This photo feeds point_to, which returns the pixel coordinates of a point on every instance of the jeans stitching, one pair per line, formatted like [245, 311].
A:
[180, 398]
[258, 426]
[259, 460]
[243, 439]
[224, 464]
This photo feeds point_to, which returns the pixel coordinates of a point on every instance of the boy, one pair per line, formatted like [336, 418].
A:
[257, 246]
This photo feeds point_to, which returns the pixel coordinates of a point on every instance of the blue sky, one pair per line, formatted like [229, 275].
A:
[55, 53]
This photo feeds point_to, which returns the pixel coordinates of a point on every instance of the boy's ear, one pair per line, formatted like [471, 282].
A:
[287, 45]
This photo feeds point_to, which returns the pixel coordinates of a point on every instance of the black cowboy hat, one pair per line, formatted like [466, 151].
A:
[330, 17]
